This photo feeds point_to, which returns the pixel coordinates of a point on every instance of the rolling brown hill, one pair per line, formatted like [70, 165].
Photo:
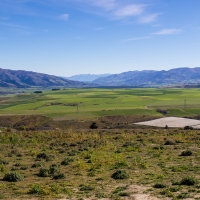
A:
[21, 78]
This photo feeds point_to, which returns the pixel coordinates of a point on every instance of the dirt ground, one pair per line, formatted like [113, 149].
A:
[38, 122]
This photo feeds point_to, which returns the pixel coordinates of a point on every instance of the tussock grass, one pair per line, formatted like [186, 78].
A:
[84, 163]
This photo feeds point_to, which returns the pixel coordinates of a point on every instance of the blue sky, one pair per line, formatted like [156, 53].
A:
[68, 37]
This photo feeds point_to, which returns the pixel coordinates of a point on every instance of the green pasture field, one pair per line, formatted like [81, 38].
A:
[89, 103]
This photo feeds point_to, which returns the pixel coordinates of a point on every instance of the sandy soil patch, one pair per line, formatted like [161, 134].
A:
[172, 122]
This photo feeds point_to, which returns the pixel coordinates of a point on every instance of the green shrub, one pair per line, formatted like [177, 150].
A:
[128, 144]
[37, 164]
[186, 153]
[44, 156]
[124, 194]
[120, 174]
[3, 162]
[41, 156]
[59, 176]
[36, 189]
[120, 189]
[72, 153]
[67, 161]
[100, 195]
[50, 158]
[121, 164]
[174, 189]
[54, 169]
[158, 148]
[188, 181]
[180, 168]
[169, 142]
[13, 177]
[183, 196]
[84, 187]
[43, 172]
[93, 125]
[159, 185]
[188, 128]
[3, 168]
[23, 167]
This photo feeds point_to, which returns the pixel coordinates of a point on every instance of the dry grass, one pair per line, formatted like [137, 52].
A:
[94, 156]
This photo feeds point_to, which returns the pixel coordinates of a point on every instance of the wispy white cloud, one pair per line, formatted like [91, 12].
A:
[18, 28]
[136, 38]
[111, 9]
[64, 17]
[116, 9]
[12, 25]
[24, 32]
[149, 18]
[130, 10]
[168, 32]
[106, 4]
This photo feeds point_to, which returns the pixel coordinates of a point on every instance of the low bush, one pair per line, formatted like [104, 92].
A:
[3, 162]
[159, 185]
[59, 176]
[54, 169]
[100, 195]
[164, 112]
[188, 181]
[67, 161]
[13, 177]
[41, 156]
[93, 125]
[44, 156]
[36, 189]
[44, 172]
[158, 148]
[84, 187]
[120, 189]
[120, 174]
[186, 153]
[128, 144]
[188, 128]
[37, 164]
[169, 142]
[124, 194]
[119, 165]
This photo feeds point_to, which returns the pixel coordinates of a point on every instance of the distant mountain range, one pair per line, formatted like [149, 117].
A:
[86, 77]
[152, 78]
[21, 78]
[147, 78]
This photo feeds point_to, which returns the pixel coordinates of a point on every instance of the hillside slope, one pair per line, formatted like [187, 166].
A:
[152, 77]
[21, 78]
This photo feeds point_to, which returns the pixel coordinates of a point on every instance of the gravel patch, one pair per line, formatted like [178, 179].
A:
[174, 122]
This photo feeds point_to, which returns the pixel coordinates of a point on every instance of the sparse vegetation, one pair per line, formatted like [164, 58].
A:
[70, 160]
[99, 158]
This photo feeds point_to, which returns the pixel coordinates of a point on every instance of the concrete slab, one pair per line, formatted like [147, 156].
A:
[172, 122]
